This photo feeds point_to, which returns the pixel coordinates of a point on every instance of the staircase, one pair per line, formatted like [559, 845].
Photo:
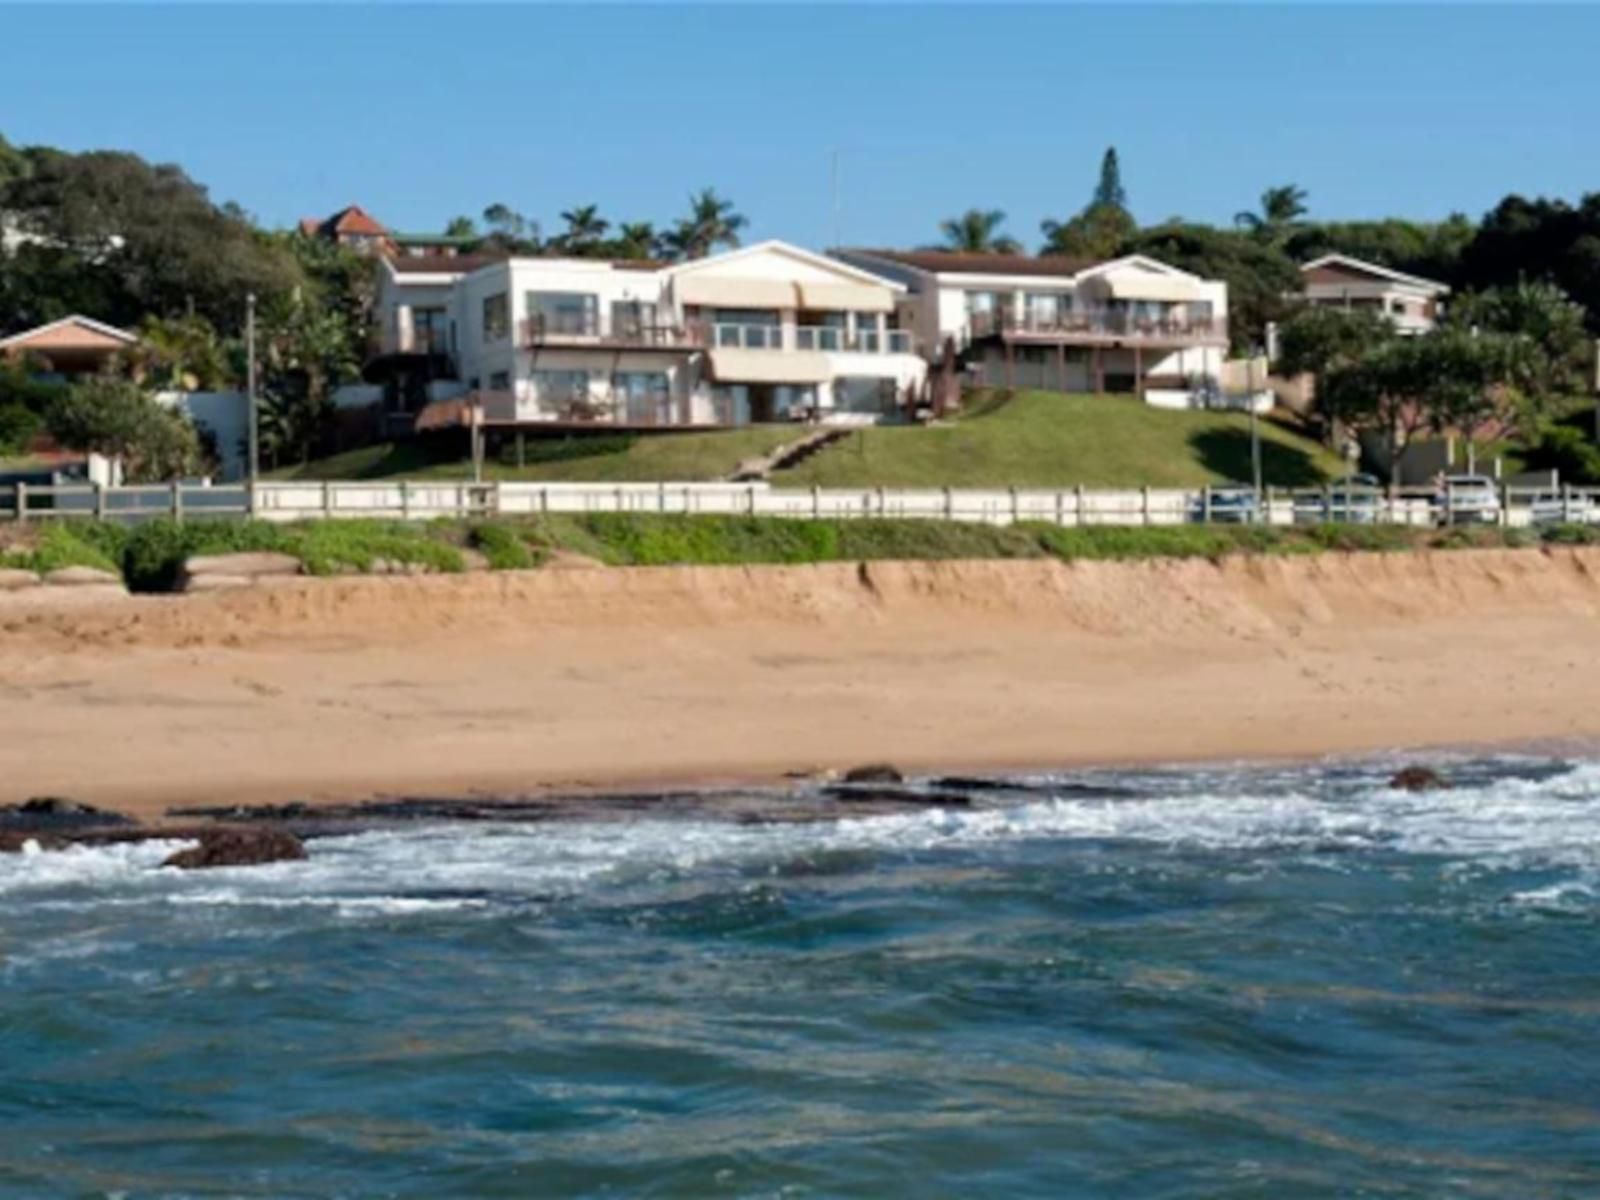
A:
[790, 454]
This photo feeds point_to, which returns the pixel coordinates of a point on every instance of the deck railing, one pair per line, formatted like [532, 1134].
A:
[594, 329]
[1092, 323]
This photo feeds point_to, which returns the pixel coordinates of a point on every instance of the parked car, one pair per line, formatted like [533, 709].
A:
[1558, 508]
[1229, 505]
[1468, 500]
[1356, 499]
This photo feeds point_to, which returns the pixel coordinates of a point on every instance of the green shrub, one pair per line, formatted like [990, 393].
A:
[1570, 535]
[875, 539]
[327, 547]
[1371, 538]
[639, 540]
[153, 551]
[62, 545]
[502, 546]
[1131, 541]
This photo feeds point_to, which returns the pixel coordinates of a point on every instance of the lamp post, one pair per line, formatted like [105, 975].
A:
[254, 466]
[1255, 427]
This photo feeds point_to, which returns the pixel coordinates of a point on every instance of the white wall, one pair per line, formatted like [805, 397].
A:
[226, 416]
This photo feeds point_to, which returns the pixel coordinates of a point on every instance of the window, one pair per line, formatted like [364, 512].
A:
[863, 394]
[635, 319]
[500, 381]
[867, 338]
[564, 312]
[645, 395]
[496, 317]
[751, 328]
[555, 388]
[428, 330]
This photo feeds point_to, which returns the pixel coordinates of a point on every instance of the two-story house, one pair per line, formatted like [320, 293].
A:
[1129, 325]
[769, 332]
[1340, 281]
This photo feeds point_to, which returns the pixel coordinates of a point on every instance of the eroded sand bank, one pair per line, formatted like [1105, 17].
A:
[507, 683]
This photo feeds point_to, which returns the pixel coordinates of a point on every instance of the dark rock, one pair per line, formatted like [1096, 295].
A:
[1418, 779]
[12, 842]
[874, 773]
[888, 795]
[56, 814]
[239, 848]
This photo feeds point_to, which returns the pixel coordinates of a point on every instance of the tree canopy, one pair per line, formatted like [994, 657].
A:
[977, 231]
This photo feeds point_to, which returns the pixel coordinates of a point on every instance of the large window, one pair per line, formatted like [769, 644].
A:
[645, 396]
[428, 330]
[565, 393]
[863, 394]
[496, 317]
[750, 328]
[564, 312]
[635, 319]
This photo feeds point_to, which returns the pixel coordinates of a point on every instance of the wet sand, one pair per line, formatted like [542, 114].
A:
[515, 684]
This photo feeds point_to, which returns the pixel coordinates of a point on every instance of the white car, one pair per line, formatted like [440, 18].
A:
[1468, 500]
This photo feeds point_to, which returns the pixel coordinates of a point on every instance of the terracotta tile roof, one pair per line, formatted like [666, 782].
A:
[355, 219]
[954, 262]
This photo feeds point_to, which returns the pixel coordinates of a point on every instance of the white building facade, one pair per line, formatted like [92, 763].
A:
[1129, 325]
[1412, 303]
[769, 332]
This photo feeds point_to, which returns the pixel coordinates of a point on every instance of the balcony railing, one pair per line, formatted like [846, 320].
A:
[593, 329]
[1101, 322]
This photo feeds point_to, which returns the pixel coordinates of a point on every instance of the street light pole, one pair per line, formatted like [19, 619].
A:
[250, 396]
[1255, 428]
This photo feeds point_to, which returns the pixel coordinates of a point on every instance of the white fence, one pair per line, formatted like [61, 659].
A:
[407, 500]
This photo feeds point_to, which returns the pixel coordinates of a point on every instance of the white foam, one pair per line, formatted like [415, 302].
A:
[1550, 822]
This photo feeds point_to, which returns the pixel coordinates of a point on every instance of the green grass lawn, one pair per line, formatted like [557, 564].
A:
[672, 457]
[1035, 439]
[1046, 439]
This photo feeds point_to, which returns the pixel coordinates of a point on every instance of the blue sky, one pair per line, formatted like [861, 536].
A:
[422, 113]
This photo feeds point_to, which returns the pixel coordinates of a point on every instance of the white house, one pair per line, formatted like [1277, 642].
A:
[1341, 281]
[769, 332]
[1132, 324]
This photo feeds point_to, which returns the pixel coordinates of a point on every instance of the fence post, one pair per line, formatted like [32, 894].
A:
[949, 504]
[100, 501]
[327, 500]
[1205, 504]
[177, 501]
[883, 503]
[1144, 504]
[816, 502]
[544, 501]
[22, 501]
[250, 498]
[1327, 501]
[661, 498]
[405, 500]
[1505, 505]
[1015, 512]
[750, 499]
[1078, 514]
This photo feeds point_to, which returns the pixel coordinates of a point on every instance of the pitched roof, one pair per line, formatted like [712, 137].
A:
[87, 324]
[1362, 267]
[958, 262]
[350, 219]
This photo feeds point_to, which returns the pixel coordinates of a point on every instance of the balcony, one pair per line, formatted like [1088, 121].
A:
[594, 329]
[865, 341]
[1092, 325]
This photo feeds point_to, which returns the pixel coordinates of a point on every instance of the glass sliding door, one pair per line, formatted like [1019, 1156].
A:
[570, 313]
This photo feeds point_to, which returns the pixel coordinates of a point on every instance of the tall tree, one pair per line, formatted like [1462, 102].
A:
[177, 354]
[306, 353]
[585, 230]
[509, 231]
[138, 238]
[1543, 241]
[1431, 249]
[461, 227]
[977, 231]
[635, 240]
[1281, 210]
[1108, 191]
[1098, 231]
[1552, 323]
[712, 222]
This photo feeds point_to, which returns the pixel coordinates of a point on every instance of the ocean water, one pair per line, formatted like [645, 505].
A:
[1223, 983]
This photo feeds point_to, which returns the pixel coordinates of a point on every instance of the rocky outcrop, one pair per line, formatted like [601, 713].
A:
[218, 572]
[873, 773]
[1418, 779]
[82, 577]
[239, 848]
[56, 814]
[14, 579]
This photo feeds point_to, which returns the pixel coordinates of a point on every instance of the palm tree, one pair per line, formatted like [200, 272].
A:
[179, 354]
[711, 222]
[585, 229]
[635, 239]
[1281, 210]
[977, 231]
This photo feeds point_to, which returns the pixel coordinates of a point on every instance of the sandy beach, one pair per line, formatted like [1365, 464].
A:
[513, 683]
